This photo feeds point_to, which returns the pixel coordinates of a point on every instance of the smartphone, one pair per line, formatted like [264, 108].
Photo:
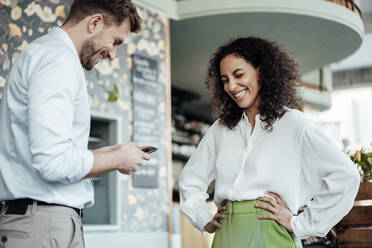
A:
[149, 149]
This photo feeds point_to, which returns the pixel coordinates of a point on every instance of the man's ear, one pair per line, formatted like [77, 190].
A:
[95, 23]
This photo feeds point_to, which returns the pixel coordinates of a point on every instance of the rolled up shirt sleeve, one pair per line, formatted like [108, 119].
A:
[334, 180]
[194, 180]
[52, 94]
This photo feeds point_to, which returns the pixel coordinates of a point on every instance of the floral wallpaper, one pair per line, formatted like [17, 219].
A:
[21, 21]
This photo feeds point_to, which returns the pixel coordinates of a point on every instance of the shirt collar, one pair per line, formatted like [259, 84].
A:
[257, 119]
[62, 35]
[244, 127]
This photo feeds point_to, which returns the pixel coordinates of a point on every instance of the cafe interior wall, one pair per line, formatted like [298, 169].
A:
[21, 21]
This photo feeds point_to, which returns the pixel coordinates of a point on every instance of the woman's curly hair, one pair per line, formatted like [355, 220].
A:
[278, 80]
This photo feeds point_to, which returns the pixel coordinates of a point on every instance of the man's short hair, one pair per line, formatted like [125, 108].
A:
[113, 12]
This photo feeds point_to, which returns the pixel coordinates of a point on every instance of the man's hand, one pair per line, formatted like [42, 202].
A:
[125, 158]
[281, 213]
[130, 156]
[214, 223]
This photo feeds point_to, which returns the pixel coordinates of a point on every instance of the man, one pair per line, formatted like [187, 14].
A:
[45, 165]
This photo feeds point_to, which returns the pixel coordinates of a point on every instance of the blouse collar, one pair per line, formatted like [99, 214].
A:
[257, 119]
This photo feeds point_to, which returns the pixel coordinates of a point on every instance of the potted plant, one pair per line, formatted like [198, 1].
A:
[363, 159]
[353, 230]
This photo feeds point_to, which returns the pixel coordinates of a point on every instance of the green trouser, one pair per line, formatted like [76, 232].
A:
[242, 229]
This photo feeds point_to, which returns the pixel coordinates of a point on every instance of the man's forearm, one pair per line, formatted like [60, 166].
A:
[125, 158]
[104, 162]
[107, 148]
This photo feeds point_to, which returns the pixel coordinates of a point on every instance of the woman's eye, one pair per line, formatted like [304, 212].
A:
[117, 43]
[239, 75]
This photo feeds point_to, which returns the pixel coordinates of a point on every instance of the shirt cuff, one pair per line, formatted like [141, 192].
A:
[296, 227]
[204, 218]
[87, 158]
[198, 214]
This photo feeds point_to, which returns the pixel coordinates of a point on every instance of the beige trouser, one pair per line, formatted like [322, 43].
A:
[41, 227]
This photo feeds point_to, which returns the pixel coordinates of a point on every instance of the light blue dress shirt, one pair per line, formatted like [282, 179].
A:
[44, 125]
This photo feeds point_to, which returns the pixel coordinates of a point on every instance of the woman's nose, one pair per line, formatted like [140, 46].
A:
[232, 85]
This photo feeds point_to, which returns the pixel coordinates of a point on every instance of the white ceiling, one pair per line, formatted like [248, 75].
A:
[361, 58]
[315, 39]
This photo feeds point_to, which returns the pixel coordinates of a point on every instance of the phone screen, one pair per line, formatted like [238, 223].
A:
[149, 149]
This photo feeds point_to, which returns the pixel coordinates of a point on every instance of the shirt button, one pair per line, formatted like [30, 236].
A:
[4, 239]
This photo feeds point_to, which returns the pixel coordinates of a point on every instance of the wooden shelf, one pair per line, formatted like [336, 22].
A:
[95, 140]
[182, 141]
[190, 130]
[177, 156]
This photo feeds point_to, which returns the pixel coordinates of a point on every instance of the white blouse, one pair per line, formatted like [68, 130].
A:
[296, 160]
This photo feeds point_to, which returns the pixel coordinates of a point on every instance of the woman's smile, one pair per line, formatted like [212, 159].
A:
[238, 96]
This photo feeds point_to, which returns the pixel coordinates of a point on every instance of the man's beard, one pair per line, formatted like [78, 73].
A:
[88, 54]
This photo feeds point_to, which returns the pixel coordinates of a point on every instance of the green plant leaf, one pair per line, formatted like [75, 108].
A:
[116, 88]
[113, 97]
[363, 156]
[365, 165]
[352, 158]
[369, 161]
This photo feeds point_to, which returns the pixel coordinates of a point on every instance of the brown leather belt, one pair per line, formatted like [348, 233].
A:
[19, 206]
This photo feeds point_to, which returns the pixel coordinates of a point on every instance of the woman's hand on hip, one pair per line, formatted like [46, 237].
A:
[281, 213]
[214, 223]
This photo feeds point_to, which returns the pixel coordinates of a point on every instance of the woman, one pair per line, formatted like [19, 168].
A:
[267, 158]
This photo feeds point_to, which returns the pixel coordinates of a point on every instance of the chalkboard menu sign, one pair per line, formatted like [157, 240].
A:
[145, 117]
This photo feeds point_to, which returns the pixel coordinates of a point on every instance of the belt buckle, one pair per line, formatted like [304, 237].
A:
[2, 206]
[81, 213]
